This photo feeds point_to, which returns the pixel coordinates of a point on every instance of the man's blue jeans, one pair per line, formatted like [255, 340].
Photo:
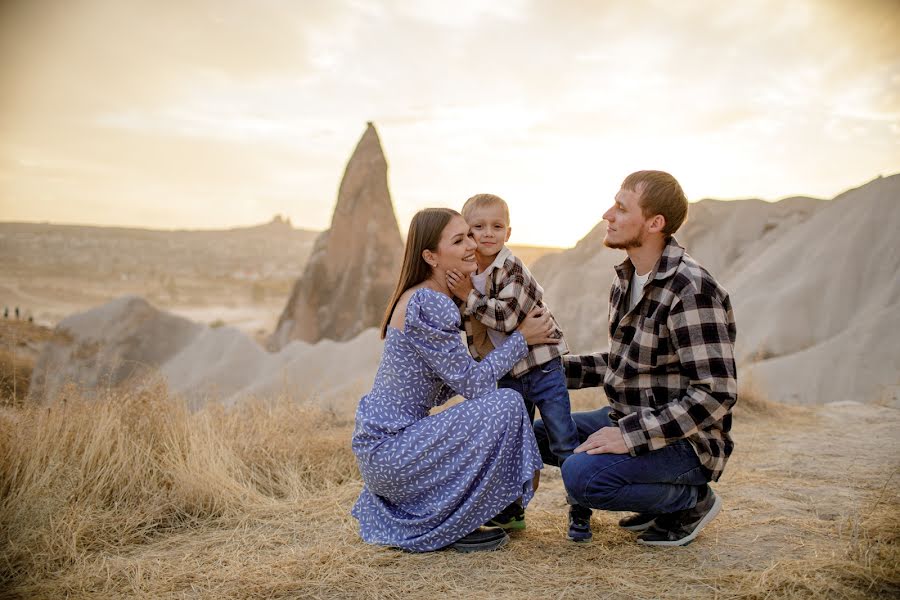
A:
[661, 481]
[545, 387]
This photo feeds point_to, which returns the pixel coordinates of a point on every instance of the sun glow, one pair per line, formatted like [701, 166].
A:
[186, 117]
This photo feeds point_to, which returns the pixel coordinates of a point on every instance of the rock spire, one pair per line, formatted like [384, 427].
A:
[354, 264]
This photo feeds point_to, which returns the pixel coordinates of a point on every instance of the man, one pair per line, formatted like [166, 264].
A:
[669, 376]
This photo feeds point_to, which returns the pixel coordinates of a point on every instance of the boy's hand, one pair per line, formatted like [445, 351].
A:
[460, 285]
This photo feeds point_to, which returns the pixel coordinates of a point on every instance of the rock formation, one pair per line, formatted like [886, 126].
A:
[724, 236]
[354, 265]
[815, 287]
[107, 346]
[129, 343]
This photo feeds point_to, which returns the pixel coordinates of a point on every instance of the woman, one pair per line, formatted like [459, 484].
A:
[431, 481]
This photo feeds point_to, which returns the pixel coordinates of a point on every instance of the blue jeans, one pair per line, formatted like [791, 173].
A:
[660, 481]
[545, 387]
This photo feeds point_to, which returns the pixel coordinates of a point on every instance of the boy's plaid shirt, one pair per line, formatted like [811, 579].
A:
[513, 293]
[670, 371]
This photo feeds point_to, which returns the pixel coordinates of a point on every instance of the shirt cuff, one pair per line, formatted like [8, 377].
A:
[471, 300]
[636, 439]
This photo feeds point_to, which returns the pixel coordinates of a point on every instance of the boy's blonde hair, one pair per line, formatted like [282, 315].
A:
[484, 201]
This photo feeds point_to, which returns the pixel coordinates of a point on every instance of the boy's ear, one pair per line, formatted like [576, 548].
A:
[508, 233]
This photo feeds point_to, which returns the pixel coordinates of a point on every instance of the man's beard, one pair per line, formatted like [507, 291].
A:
[635, 242]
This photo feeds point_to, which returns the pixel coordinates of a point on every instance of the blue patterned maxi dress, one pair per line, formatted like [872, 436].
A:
[431, 479]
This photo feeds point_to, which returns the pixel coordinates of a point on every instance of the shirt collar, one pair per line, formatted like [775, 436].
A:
[499, 259]
[663, 269]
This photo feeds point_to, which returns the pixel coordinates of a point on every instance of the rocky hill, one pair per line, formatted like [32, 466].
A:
[815, 286]
[51, 271]
[128, 341]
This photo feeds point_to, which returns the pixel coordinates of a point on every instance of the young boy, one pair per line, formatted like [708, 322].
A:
[494, 301]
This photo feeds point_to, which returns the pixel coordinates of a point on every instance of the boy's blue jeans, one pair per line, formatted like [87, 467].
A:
[545, 387]
[661, 481]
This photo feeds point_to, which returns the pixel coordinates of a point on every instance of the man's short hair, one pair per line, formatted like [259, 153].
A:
[484, 201]
[660, 194]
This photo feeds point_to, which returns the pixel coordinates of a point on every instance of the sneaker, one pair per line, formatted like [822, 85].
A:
[680, 528]
[511, 518]
[580, 523]
[638, 522]
[481, 540]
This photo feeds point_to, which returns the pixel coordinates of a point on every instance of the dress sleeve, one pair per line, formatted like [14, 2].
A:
[432, 326]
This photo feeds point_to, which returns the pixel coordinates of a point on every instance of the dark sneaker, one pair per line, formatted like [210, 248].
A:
[480, 540]
[580, 523]
[680, 528]
[511, 518]
[638, 522]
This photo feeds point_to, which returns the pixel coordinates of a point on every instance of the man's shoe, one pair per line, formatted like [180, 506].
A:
[638, 522]
[580, 523]
[480, 540]
[511, 518]
[680, 528]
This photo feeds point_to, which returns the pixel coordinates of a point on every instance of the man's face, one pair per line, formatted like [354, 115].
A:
[626, 225]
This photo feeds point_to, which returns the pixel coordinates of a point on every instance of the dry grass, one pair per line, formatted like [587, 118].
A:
[134, 496]
[15, 374]
[20, 344]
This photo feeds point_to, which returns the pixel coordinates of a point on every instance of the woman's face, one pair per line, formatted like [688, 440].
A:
[456, 249]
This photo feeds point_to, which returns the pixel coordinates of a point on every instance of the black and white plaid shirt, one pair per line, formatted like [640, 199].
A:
[512, 292]
[670, 372]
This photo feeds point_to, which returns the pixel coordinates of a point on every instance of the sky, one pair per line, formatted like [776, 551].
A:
[215, 114]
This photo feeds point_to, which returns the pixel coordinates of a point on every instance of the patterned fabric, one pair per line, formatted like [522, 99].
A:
[513, 293]
[431, 479]
[670, 372]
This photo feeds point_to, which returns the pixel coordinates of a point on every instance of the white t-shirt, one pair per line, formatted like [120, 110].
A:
[479, 281]
[637, 288]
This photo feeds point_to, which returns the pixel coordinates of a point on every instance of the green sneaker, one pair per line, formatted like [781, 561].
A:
[511, 518]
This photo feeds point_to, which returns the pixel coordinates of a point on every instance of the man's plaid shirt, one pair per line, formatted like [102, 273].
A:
[512, 293]
[670, 371]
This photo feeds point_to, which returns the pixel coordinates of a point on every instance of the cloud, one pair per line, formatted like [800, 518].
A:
[261, 103]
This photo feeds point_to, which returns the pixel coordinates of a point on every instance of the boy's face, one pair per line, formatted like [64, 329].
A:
[489, 229]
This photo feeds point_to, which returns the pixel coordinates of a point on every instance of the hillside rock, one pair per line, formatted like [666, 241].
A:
[815, 287]
[354, 265]
[129, 342]
[818, 312]
[723, 236]
[108, 345]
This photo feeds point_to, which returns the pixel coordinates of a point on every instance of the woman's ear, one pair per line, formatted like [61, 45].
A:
[428, 257]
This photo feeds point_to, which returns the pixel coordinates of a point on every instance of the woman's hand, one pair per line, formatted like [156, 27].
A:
[537, 327]
[459, 283]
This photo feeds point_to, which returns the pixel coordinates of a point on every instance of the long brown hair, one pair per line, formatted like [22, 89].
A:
[425, 231]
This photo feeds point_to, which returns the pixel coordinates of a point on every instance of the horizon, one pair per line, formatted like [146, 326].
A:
[296, 227]
[204, 116]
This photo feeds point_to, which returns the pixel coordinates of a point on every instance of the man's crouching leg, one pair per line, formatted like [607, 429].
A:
[667, 488]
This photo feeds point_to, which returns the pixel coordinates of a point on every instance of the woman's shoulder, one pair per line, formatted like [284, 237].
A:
[428, 308]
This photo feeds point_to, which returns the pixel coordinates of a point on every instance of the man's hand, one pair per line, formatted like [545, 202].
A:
[460, 285]
[606, 440]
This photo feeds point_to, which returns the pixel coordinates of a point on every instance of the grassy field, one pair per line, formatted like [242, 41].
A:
[133, 496]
